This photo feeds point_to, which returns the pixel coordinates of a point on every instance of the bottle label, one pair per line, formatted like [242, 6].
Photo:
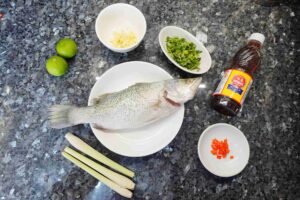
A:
[235, 84]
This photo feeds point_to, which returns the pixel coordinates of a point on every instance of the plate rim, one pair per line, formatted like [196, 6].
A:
[143, 154]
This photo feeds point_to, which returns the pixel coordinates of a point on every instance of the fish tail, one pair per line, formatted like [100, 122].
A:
[60, 116]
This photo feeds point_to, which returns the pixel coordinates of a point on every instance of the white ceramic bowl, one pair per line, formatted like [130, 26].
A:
[120, 17]
[238, 146]
[173, 31]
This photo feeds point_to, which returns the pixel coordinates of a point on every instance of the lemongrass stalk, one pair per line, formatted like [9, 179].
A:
[115, 187]
[88, 150]
[117, 178]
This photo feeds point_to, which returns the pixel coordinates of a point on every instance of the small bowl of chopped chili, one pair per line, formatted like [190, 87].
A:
[223, 150]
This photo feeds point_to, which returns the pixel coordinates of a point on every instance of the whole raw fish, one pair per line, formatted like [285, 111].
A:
[136, 106]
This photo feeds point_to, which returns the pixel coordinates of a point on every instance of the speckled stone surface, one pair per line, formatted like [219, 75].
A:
[31, 166]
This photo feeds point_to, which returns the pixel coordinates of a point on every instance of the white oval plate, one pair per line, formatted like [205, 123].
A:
[238, 146]
[142, 141]
[173, 31]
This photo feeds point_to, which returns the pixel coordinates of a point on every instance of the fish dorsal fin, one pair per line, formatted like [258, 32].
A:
[98, 99]
[136, 84]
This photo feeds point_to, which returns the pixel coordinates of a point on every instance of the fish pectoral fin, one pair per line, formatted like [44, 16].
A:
[98, 99]
[152, 119]
[156, 104]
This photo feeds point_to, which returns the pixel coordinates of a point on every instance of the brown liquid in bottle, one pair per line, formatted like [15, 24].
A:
[237, 79]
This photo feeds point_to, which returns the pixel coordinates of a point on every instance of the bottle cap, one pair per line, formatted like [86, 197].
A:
[258, 37]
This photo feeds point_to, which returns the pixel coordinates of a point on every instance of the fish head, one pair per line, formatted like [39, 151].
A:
[181, 90]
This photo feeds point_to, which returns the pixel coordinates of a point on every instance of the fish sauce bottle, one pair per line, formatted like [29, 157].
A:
[236, 81]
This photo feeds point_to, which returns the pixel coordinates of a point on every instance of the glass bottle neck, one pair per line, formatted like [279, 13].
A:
[255, 43]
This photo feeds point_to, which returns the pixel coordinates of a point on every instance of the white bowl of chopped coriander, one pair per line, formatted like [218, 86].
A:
[184, 50]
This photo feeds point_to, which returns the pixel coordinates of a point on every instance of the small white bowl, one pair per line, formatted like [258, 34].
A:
[120, 17]
[173, 31]
[238, 146]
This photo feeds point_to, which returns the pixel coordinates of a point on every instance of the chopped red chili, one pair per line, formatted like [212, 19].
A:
[220, 148]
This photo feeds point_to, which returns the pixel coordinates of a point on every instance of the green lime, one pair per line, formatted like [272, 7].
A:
[66, 48]
[56, 66]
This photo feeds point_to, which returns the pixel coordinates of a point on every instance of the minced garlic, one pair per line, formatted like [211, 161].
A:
[123, 39]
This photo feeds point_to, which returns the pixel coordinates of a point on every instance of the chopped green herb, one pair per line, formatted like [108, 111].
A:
[184, 52]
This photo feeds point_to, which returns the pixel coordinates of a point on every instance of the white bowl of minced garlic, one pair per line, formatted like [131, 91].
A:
[121, 27]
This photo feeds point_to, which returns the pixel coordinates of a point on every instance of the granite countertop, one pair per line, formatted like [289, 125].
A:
[31, 166]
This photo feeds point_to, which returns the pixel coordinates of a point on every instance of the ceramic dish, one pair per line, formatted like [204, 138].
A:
[120, 17]
[173, 31]
[146, 140]
[238, 146]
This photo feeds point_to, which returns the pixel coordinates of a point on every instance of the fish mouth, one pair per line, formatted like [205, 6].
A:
[193, 86]
[194, 83]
